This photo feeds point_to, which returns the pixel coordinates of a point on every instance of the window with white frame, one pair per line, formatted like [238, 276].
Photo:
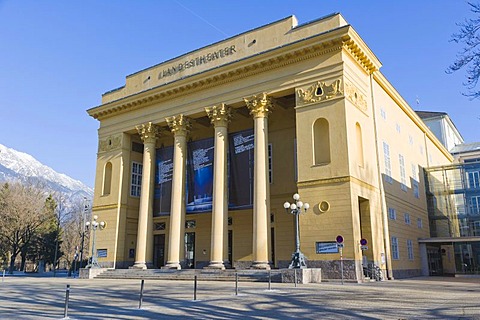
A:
[403, 178]
[473, 179]
[388, 166]
[136, 184]
[383, 114]
[410, 249]
[270, 163]
[397, 127]
[407, 218]
[392, 213]
[419, 223]
[395, 252]
[475, 205]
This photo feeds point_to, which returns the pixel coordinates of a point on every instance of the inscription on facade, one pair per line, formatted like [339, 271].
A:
[206, 58]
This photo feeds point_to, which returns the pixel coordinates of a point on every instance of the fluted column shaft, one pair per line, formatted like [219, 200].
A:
[219, 117]
[180, 126]
[259, 107]
[148, 133]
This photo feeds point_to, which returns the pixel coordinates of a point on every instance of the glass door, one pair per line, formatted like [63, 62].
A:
[190, 249]
[159, 251]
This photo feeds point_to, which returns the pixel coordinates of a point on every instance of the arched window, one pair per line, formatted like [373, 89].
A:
[107, 179]
[321, 141]
[359, 146]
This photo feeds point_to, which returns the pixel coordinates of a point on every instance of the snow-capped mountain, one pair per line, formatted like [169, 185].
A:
[22, 167]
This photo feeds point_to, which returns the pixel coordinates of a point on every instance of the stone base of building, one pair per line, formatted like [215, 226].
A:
[307, 275]
[90, 273]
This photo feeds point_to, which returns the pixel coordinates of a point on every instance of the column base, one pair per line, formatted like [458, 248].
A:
[172, 265]
[215, 265]
[260, 265]
[139, 265]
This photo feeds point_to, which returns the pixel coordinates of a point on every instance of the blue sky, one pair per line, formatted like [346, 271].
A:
[58, 57]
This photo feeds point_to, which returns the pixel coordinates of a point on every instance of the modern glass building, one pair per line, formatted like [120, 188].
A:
[453, 198]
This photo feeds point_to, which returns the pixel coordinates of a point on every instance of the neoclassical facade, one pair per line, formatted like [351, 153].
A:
[198, 154]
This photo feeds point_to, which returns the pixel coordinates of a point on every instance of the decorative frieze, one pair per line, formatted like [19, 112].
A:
[179, 125]
[219, 115]
[110, 143]
[148, 132]
[260, 105]
[355, 97]
[320, 91]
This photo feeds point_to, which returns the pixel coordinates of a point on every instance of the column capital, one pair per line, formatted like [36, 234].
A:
[219, 115]
[260, 105]
[179, 125]
[148, 132]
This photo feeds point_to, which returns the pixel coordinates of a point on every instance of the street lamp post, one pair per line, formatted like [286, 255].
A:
[298, 259]
[84, 224]
[94, 225]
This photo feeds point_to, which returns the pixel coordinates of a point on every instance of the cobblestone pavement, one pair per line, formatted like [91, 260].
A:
[417, 298]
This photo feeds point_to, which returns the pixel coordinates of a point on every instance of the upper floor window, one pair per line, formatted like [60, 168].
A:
[407, 218]
[136, 185]
[392, 213]
[358, 132]
[383, 114]
[416, 192]
[473, 179]
[419, 223]
[401, 161]
[475, 205]
[388, 167]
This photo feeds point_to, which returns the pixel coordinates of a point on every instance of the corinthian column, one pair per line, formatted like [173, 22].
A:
[180, 127]
[260, 106]
[148, 132]
[220, 117]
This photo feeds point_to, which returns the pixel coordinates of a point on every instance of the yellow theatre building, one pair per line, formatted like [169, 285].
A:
[198, 154]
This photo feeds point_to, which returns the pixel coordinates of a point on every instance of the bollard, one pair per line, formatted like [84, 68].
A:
[236, 283]
[67, 298]
[141, 294]
[295, 277]
[195, 288]
[269, 280]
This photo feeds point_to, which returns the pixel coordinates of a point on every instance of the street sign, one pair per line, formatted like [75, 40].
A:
[363, 242]
[364, 247]
[339, 239]
[339, 245]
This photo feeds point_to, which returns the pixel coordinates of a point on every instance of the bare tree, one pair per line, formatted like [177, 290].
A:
[23, 212]
[469, 55]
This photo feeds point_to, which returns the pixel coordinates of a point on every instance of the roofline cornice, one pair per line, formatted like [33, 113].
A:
[333, 40]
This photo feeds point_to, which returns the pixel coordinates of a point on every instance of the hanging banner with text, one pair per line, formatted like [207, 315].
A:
[163, 181]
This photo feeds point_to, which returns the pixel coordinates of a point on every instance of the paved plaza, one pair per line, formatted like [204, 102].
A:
[25, 297]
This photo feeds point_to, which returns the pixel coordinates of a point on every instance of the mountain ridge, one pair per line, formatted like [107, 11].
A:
[17, 166]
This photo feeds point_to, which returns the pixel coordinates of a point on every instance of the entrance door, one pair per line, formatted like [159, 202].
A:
[159, 251]
[190, 249]
[434, 261]
[230, 247]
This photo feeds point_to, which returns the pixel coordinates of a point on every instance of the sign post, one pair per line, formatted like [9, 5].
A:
[339, 240]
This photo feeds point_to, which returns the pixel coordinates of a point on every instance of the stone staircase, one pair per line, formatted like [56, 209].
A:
[189, 274]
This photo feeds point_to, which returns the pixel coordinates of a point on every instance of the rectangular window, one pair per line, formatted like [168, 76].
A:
[407, 218]
[416, 193]
[475, 205]
[388, 167]
[395, 253]
[403, 178]
[383, 114]
[419, 223]
[473, 179]
[410, 249]
[392, 213]
[270, 163]
[397, 127]
[136, 185]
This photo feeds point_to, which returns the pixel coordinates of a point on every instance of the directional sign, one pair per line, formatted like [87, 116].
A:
[339, 239]
[339, 245]
[364, 247]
